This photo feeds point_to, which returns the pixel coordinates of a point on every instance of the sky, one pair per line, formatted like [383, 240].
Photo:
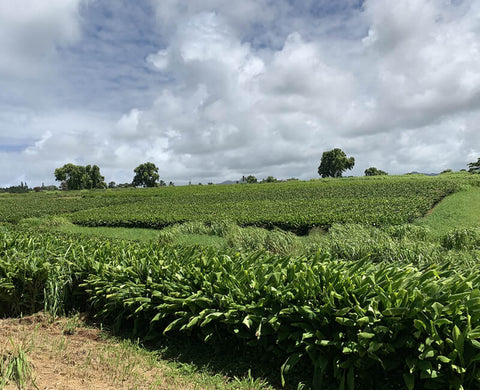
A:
[213, 90]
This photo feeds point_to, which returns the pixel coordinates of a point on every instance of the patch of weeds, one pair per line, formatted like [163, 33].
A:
[466, 238]
[249, 382]
[15, 367]
[71, 325]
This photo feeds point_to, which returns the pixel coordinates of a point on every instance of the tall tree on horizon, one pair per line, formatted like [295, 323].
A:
[146, 175]
[334, 162]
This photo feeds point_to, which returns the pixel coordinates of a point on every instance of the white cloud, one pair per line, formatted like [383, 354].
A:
[426, 62]
[30, 31]
[262, 87]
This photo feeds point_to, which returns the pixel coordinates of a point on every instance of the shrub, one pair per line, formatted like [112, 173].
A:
[462, 239]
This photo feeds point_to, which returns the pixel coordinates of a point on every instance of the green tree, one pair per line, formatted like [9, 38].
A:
[146, 175]
[474, 167]
[269, 179]
[95, 179]
[372, 171]
[73, 177]
[78, 177]
[334, 163]
[251, 179]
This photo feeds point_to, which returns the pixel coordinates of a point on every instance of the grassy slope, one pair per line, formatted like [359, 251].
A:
[460, 210]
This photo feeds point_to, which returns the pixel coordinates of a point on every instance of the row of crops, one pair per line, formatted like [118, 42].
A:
[14, 208]
[353, 324]
[289, 206]
[292, 206]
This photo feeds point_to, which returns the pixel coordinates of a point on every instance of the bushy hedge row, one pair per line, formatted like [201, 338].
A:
[358, 324]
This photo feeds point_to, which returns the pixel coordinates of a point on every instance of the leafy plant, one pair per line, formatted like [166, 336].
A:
[15, 367]
[462, 239]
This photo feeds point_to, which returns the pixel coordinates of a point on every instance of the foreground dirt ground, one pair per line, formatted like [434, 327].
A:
[64, 354]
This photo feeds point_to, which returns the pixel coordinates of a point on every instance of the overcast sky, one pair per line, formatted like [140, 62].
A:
[211, 90]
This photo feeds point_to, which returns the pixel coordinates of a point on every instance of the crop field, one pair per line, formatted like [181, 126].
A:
[290, 206]
[377, 302]
[13, 208]
[295, 206]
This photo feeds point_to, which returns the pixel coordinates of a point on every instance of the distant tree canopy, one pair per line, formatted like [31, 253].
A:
[146, 175]
[474, 167]
[334, 163]
[269, 179]
[372, 171]
[78, 177]
[20, 189]
[250, 179]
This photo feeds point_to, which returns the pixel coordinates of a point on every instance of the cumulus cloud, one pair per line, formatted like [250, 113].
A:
[261, 87]
[404, 88]
[427, 63]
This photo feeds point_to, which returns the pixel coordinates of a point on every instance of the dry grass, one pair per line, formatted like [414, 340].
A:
[65, 355]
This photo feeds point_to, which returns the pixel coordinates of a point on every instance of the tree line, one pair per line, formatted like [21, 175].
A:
[78, 177]
[333, 163]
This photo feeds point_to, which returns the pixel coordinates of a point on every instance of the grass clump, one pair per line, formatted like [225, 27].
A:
[15, 367]
[354, 242]
[462, 239]
[228, 235]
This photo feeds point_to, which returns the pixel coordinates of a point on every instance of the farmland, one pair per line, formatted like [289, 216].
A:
[379, 301]
[291, 206]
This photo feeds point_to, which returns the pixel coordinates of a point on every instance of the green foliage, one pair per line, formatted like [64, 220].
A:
[474, 167]
[334, 163]
[146, 175]
[269, 179]
[20, 189]
[457, 211]
[356, 324]
[462, 239]
[295, 206]
[95, 179]
[250, 179]
[15, 367]
[235, 237]
[372, 171]
[33, 205]
[77, 177]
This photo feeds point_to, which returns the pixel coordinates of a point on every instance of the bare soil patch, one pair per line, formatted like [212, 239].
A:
[64, 354]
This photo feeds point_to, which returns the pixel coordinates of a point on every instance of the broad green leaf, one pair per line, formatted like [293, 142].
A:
[366, 335]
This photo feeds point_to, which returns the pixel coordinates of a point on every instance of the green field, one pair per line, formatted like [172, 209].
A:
[455, 212]
[357, 283]
[294, 206]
